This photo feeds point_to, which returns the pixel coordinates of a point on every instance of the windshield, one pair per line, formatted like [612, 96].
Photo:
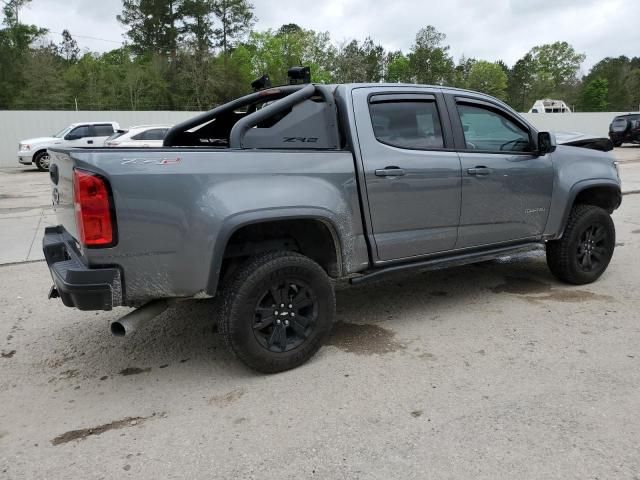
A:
[62, 133]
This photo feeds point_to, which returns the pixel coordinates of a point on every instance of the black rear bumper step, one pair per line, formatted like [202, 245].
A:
[75, 283]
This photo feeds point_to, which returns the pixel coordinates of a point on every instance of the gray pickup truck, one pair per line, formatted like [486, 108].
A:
[267, 200]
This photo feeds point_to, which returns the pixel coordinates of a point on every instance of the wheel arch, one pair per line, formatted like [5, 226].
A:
[602, 193]
[328, 252]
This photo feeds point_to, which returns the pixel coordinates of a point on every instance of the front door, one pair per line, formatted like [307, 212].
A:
[506, 187]
[411, 171]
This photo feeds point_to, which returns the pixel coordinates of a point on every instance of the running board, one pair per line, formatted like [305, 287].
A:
[445, 262]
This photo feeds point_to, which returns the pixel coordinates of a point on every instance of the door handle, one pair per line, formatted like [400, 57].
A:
[90, 142]
[390, 172]
[479, 171]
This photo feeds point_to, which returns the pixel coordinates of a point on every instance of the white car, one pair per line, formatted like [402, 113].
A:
[140, 136]
[82, 134]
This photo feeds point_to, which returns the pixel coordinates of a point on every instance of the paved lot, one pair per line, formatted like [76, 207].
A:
[481, 372]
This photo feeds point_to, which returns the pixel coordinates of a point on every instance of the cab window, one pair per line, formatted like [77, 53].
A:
[489, 130]
[407, 124]
[80, 132]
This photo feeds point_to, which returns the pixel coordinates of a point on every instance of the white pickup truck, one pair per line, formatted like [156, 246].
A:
[82, 134]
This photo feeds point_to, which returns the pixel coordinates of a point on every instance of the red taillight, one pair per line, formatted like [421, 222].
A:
[93, 209]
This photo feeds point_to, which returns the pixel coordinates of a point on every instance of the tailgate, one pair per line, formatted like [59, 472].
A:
[61, 175]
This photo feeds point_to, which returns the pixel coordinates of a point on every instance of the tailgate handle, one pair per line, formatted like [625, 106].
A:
[390, 172]
[479, 171]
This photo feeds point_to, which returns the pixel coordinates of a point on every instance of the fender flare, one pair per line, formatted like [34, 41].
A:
[240, 220]
[581, 186]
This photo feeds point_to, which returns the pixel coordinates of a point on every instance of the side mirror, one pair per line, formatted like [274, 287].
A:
[546, 143]
[72, 137]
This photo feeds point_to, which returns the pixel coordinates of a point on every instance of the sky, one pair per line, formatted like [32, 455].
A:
[486, 29]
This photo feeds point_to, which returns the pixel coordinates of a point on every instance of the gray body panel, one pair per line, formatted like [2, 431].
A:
[176, 208]
[509, 203]
[172, 217]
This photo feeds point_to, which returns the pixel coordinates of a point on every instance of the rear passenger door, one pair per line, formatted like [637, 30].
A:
[506, 186]
[99, 133]
[411, 171]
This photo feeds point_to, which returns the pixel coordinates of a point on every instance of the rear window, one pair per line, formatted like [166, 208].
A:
[153, 134]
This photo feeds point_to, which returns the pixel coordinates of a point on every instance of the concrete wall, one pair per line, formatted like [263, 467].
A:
[596, 123]
[16, 125]
[20, 125]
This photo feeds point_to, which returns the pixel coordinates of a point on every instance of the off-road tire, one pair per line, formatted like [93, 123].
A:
[244, 294]
[565, 256]
[39, 159]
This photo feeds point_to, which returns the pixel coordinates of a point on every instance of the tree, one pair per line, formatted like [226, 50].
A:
[620, 74]
[594, 95]
[558, 61]
[429, 58]
[235, 17]
[198, 25]
[12, 11]
[15, 41]
[274, 52]
[488, 78]
[520, 83]
[462, 70]
[43, 80]
[398, 68]
[356, 62]
[152, 26]
[68, 48]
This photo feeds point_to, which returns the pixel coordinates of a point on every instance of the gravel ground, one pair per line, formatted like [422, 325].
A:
[483, 372]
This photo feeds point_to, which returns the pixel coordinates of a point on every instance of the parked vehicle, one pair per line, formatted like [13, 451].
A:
[140, 136]
[550, 106]
[35, 150]
[268, 199]
[625, 129]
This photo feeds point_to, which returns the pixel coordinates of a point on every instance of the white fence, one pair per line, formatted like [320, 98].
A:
[16, 125]
[596, 123]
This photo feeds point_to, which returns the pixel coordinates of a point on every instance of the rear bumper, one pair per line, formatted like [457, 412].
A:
[75, 283]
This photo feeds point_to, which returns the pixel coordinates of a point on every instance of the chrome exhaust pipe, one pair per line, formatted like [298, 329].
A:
[132, 320]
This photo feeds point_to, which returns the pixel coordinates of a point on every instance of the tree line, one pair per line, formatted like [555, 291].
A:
[194, 54]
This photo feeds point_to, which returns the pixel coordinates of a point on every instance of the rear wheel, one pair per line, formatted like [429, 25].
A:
[278, 310]
[585, 250]
[42, 161]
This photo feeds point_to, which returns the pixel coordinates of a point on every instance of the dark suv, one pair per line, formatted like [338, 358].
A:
[625, 129]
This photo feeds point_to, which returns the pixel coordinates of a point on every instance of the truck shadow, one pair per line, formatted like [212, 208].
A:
[184, 338]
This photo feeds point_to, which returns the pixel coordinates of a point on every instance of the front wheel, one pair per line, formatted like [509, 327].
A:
[42, 161]
[585, 250]
[278, 310]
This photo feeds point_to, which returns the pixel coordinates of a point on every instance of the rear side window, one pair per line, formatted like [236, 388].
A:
[102, 130]
[153, 134]
[490, 131]
[407, 124]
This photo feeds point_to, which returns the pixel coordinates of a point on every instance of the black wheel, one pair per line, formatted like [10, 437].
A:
[585, 250]
[278, 310]
[42, 161]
